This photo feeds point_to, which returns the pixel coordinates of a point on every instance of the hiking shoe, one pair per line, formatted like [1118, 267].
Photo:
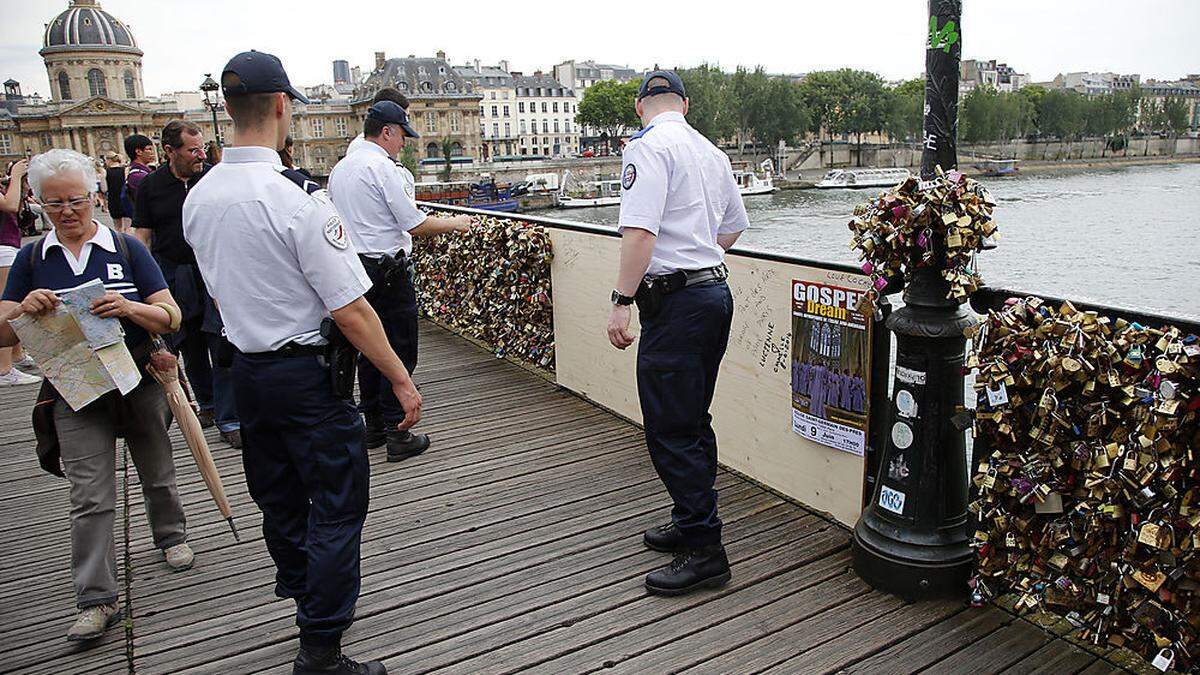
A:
[401, 445]
[691, 570]
[93, 621]
[665, 538]
[179, 557]
[312, 660]
[15, 378]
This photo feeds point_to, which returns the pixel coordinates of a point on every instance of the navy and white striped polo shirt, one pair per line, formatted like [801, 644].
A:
[136, 278]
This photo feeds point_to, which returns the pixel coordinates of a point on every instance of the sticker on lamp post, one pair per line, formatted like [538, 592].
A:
[891, 500]
[902, 435]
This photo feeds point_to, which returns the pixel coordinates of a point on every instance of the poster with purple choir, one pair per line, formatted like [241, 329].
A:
[831, 343]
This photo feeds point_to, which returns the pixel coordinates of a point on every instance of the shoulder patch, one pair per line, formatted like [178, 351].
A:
[335, 233]
[641, 133]
[303, 182]
[628, 176]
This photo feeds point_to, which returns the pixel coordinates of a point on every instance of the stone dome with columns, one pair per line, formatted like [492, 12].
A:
[89, 52]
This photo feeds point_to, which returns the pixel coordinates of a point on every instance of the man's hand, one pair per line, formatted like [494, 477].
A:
[39, 301]
[111, 305]
[461, 222]
[410, 400]
[618, 327]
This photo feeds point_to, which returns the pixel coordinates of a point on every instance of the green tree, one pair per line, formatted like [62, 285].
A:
[447, 166]
[708, 101]
[748, 98]
[1175, 115]
[408, 157]
[1061, 114]
[905, 114]
[822, 91]
[779, 113]
[864, 107]
[1033, 95]
[609, 107]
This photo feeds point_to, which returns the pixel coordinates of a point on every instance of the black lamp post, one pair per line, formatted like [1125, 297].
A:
[912, 538]
[209, 86]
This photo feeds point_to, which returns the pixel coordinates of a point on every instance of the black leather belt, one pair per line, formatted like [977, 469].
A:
[683, 278]
[290, 350]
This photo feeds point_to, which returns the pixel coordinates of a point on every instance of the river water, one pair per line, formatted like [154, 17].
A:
[1128, 236]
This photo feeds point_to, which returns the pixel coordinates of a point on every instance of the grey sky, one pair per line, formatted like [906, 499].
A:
[183, 39]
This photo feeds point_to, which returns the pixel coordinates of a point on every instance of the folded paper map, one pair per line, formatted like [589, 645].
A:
[83, 355]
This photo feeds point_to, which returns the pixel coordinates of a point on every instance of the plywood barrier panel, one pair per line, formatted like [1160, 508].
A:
[752, 409]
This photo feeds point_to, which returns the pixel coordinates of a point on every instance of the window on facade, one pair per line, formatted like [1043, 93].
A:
[130, 85]
[5, 144]
[523, 129]
[431, 150]
[544, 106]
[420, 70]
[507, 130]
[318, 126]
[430, 122]
[402, 86]
[456, 150]
[520, 104]
[64, 86]
[96, 86]
[556, 126]
[555, 106]
[545, 127]
[495, 111]
[450, 87]
[426, 86]
[506, 111]
[495, 129]
[567, 127]
[340, 125]
[455, 122]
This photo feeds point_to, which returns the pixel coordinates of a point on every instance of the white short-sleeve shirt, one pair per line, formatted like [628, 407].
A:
[679, 186]
[377, 199]
[276, 258]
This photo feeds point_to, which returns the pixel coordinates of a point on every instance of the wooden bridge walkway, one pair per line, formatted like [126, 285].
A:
[512, 545]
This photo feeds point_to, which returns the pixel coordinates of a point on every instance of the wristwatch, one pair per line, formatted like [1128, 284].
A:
[618, 299]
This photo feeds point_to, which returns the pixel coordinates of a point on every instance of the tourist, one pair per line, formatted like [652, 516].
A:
[114, 180]
[680, 212]
[63, 181]
[285, 277]
[13, 362]
[142, 158]
[158, 222]
[288, 158]
[213, 152]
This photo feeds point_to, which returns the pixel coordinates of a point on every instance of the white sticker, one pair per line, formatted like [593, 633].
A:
[909, 376]
[997, 396]
[902, 435]
[905, 403]
[892, 500]
[335, 233]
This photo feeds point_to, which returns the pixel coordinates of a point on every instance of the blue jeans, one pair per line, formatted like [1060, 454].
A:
[308, 472]
[211, 383]
[679, 354]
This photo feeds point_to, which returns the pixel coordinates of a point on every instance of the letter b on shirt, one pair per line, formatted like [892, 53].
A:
[115, 271]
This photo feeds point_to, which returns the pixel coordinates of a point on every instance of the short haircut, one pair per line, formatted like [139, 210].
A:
[373, 127]
[172, 134]
[391, 94]
[59, 161]
[134, 143]
[250, 110]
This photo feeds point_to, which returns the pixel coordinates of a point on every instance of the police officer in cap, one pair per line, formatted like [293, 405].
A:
[680, 212]
[377, 201]
[279, 264]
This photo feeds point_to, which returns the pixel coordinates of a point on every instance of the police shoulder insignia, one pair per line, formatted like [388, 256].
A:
[409, 190]
[335, 233]
[628, 176]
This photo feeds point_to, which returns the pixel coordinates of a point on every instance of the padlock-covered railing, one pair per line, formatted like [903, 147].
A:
[1086, 481]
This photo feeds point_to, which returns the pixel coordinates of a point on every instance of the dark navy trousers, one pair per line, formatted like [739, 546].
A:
[679, 354]
[396, 305]
[308, 472]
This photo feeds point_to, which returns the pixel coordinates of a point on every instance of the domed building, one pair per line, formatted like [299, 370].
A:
[88, 53]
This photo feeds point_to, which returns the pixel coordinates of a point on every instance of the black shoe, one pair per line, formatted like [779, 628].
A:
[233, 438]
[331, 661]
[401, 445]
[376, 433]
[666, 538]
[206, 419]
[691, 570]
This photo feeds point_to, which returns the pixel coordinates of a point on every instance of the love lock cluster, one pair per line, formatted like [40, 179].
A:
[939, 223]
[1088, 496]
[492, 283]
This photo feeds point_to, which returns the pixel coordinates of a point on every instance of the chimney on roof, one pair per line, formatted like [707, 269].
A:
[537, 73]
[504, 65]
[477, 65]
[379, 60]
[441, 54]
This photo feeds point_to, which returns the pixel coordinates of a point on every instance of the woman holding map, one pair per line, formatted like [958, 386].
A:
[117, 279]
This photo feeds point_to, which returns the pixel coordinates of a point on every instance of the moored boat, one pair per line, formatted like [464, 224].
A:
[997, 167]
[862, 178]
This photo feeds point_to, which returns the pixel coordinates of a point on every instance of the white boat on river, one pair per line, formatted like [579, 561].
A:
[591, 193]
[862, 178]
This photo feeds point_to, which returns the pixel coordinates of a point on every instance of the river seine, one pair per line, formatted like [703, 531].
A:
[1128, 237]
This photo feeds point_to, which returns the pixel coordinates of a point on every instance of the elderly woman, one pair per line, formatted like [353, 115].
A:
[78, 251]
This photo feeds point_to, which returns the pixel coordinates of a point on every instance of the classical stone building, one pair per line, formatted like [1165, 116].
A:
[444, 105]
[497, 110]
[546, 116]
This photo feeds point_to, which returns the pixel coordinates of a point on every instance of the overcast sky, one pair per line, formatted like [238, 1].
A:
[182, 40]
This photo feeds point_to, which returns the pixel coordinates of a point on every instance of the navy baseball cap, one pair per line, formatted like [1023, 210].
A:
[661, 82]
[390, 112]
[256, 72]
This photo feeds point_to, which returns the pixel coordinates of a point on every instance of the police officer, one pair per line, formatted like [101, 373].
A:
[378, 203]
[680, 212]
[279, 263]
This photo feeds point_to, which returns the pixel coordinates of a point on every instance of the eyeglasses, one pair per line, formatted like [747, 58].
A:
[74, 203]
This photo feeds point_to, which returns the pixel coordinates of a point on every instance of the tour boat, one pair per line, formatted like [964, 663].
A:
[750, 183]
[997, 167]
[454, 192]
[862, 178]
[488, 196]
[592, 193]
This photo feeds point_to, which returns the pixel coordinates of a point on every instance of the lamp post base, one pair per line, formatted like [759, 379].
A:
[937, 567]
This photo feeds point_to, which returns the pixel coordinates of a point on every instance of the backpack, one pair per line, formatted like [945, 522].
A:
[127, 196]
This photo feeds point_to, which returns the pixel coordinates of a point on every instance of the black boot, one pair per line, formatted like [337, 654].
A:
[401, 445]
[321, 660]
[376, 434]
[666, 538]
[691, 570]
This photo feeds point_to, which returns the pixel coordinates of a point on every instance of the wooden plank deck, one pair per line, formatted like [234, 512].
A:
[512, 545]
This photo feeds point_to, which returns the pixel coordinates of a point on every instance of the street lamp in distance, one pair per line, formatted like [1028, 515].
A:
[209, 86]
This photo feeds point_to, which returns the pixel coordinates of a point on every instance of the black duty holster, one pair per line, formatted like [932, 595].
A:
[340, 357]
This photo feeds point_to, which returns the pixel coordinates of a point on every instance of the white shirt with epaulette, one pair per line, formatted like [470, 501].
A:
[274, 252]
[377, 199]
[679, 186]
